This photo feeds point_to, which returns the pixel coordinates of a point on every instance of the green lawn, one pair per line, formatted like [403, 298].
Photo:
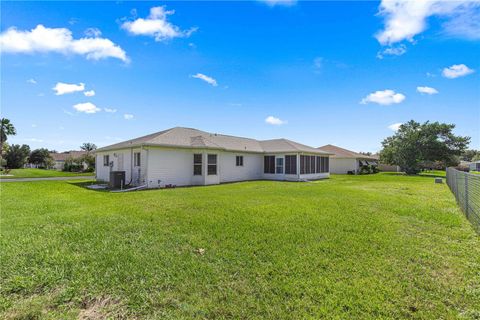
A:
[351, 247]
[41, 173]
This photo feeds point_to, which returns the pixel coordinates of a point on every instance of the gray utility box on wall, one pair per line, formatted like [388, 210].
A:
[117, 179]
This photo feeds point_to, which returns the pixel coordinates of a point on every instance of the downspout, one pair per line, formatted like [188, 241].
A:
[146, 167]
[131, 165]
[96, 167]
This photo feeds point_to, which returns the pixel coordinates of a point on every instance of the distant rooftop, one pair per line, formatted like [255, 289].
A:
[344, 153]
[62, 156]
[193, 138]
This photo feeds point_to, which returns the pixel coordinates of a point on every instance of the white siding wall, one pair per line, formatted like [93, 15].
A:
[343, 165]
[122, 161]
[59, 165]
[169, 166]
[252, 168]
[164, 166]
[101, 172]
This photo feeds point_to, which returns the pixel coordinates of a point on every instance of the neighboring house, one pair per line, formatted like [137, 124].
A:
[59, 158]
[345, 161]
[475, 166]
[185, 156]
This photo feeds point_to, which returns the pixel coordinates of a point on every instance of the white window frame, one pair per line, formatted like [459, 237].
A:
[209, 164]
[198, 164]
[281, 166]
[106, 157]
[135, 162]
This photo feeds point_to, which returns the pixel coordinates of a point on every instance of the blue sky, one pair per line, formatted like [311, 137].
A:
[314, 72]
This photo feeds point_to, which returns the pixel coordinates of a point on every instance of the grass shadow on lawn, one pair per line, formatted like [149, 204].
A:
[86, 184]
[422, 174]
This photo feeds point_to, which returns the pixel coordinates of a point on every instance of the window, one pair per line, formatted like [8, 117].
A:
[197, 164]
[106, 160]
[269, 164]
[279, 165]
[290, 164]
[318, 168]
[239, 161]
[212, 164]
[136, 159]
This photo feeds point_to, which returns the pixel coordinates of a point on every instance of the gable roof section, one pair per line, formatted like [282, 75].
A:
[65, 155]
[192, 138]
[344, 153]
[285, 145]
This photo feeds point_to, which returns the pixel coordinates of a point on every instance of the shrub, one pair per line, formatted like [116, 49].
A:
[73, 165]
[365, 169]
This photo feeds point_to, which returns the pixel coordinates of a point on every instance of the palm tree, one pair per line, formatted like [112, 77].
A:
[88, 146]
[6, 129]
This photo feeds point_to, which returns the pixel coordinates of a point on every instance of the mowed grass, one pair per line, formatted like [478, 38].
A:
[41, 173]
[350, 247]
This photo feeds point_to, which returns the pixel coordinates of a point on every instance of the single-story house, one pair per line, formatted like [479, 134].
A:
[345, 161]
[59, 158]
[475, 166]
[185, 156]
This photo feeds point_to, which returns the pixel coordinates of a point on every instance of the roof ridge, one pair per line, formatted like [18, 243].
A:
[291, 144]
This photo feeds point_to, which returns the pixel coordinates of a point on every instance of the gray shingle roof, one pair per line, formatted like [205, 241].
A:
[344, 153]
[193, 138]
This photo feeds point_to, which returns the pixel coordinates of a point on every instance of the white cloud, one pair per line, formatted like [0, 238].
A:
[157, 26]
[274, 120]
[34, 125]
[89, 93]
[32, 81]
[406, 19]
[86, 107]
[205, 78]
[127, 116]
[93, 32]
[427, 90]
[109, 110]
[318, 63]
[395, 126]
[63, 88]
[60, 40]
[457, 70]
[392, 51]
[385, 97]
[286, 3]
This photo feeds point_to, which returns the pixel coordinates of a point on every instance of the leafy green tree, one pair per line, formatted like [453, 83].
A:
[414, 144]
[17, 156]
[476, 158]
[40, 157]
[89, 159]
[6, 129]
[88, 147]
[468, 155]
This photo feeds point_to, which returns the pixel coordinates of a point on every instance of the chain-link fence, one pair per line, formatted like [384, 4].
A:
[466, 188]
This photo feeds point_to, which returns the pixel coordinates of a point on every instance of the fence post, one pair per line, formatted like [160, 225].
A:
[466, 194]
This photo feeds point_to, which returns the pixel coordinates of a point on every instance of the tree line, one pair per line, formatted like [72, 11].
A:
[16, 156]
